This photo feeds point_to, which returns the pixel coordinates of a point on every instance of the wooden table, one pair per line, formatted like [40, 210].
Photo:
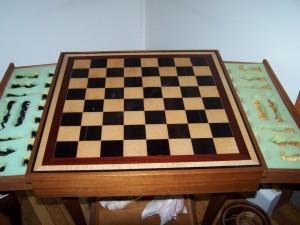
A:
[180, 132]
[157, 94]
[154, 109]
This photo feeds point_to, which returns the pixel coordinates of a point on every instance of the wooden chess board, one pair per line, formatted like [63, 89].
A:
[141, 110]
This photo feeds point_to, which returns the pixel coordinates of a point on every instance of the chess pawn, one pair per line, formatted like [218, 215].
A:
[262, 115]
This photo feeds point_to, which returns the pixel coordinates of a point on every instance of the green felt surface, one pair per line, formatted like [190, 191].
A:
[277, 134]
[26, 87]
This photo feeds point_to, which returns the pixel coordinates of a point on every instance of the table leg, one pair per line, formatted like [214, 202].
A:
[10, 206]
[75, 210]
[215, 203]
[287, 191]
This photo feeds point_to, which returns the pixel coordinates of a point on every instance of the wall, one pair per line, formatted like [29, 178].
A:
[241, 30]
[35, 32]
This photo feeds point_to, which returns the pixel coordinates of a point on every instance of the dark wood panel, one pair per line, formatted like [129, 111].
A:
[297, 104]
[146, 182]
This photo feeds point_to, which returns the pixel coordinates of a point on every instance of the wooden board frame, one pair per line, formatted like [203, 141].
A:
[140, 182]
[46, 161]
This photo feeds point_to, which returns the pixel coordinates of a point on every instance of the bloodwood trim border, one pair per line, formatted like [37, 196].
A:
[48, 156]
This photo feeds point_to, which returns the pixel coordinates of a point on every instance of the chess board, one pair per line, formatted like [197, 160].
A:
[141, 110]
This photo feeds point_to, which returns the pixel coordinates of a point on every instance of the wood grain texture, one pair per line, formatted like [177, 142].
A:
[132, 183]
[46, 159]
[13, 183]
[282, 176]
[39, 208]
[51, 211]
[57, 211]
[297, 104]
[233, 174]
[28, 212]
[216, 201]
[75, 210]
[287, 214]
[6, 78]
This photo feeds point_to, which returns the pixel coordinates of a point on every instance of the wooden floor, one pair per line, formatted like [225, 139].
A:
[52, 211]
[48, 211]
[287, 214]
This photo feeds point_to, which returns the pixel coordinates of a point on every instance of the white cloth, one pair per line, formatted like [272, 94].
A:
[117, 204]
[168, 208]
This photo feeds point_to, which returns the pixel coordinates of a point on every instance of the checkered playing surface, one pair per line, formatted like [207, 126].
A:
[142, 106]
[141, 110]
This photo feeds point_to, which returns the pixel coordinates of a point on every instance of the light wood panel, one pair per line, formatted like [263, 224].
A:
[141, 183]
[48, 211]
